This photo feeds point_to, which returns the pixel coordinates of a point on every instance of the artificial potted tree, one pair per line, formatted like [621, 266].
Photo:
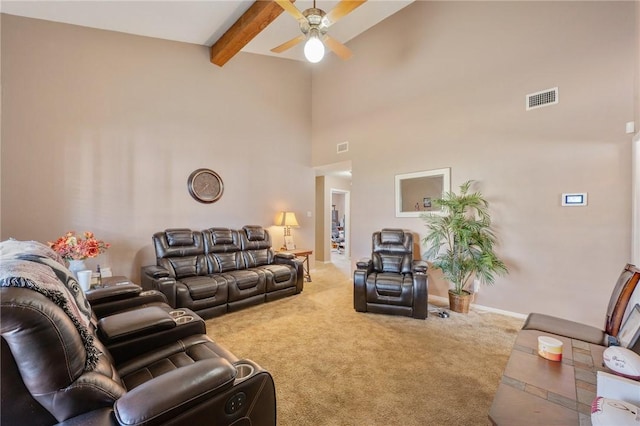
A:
[460, 242]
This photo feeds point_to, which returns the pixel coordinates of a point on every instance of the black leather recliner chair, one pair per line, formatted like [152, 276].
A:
[57, 371]
[391, 281]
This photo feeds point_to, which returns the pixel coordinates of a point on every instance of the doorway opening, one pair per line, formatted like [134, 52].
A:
[340, 226]
[333, 188]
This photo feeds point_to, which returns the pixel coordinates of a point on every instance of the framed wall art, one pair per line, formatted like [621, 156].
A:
[416, 191]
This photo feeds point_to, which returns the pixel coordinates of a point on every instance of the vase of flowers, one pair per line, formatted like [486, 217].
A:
[76, 265]
[76, 248]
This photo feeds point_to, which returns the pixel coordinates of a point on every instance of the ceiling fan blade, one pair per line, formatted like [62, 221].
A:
[338, 48]
[341, 10]
[293, 11]
[288, 44]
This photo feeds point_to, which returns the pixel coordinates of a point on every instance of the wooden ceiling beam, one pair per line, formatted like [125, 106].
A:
[255, 19]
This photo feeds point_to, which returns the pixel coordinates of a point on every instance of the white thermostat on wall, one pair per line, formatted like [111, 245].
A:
[574, 199]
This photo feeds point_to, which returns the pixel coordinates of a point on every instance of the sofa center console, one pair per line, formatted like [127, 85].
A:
[132, 332]
[149, 320]
[117, 293]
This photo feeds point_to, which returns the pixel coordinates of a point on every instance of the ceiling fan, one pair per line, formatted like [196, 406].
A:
[314, 24]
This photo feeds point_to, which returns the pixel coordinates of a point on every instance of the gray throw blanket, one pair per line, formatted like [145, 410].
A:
[33, 265]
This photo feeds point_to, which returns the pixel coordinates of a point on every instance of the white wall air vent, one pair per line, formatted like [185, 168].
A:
[542, 99]
[343, 147]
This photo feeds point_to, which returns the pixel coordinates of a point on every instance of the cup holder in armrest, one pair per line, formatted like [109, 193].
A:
[244, 371]
[183, 319]
[177, 313]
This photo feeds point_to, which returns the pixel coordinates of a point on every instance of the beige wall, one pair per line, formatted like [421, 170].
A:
[443, 84]
[637, 71]
[0, 125]
[102, 129]
[636, 149]
[321, 219]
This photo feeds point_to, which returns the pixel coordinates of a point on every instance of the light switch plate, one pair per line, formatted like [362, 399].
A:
[574, 199]
[630, 127]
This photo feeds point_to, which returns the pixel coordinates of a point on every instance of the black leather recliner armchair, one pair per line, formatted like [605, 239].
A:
[391, 281]
[55, 371]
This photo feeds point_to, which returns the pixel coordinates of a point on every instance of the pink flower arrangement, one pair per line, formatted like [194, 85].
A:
[72, 247]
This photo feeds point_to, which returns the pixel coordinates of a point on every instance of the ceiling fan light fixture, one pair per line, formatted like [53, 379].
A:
[313, 48]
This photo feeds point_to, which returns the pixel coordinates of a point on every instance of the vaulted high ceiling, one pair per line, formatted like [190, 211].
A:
[205, 22]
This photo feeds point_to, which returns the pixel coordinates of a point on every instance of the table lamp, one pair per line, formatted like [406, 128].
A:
[287, 219]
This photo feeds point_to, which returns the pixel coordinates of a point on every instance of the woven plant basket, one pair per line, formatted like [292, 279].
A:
[459, 303]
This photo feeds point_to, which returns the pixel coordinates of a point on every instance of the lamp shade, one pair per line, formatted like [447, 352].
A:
[287, 219]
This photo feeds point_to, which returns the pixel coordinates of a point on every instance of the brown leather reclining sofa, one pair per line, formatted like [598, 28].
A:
[219, 270]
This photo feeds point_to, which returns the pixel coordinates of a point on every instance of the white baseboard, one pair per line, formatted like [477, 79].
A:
[445, 300]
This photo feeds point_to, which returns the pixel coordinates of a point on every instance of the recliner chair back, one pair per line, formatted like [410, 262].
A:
[392, 251]
[256, 246]
[181, 252]
[55, 368]
[222, 248]
[39, 334]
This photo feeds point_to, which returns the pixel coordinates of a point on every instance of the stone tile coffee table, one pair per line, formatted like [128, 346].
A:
[536, 391]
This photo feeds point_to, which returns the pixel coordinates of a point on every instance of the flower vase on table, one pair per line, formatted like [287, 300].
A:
[76, 248]
[76, 265]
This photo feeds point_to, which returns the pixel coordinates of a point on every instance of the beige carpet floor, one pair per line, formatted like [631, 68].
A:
[334, 366]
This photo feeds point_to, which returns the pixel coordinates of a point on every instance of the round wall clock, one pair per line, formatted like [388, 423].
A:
[205, 185]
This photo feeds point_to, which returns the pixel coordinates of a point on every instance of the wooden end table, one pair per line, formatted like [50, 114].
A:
[305, 253]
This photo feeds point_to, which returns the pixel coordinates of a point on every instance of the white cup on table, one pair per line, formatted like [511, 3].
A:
[84, 279]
